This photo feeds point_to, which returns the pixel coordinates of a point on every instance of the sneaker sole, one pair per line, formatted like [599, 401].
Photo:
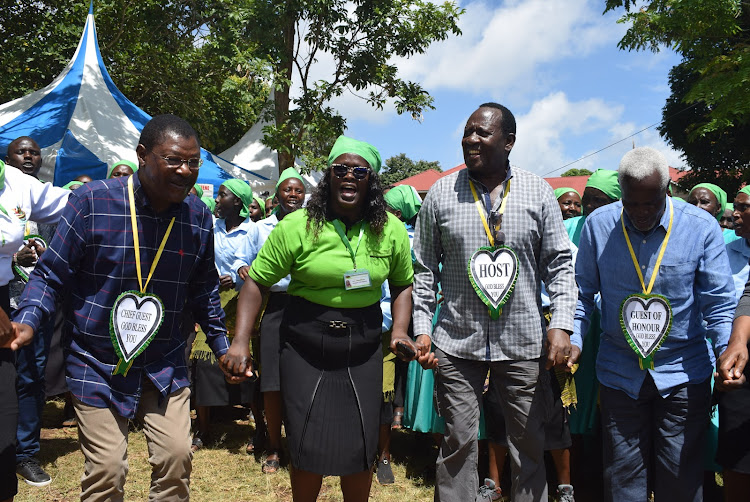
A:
[38, 484]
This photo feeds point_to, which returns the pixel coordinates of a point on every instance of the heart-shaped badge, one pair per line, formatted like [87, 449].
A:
[646, 321]
[135, 320]
[493, 273]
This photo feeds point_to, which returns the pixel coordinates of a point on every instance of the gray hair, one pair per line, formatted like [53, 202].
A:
[642, 162]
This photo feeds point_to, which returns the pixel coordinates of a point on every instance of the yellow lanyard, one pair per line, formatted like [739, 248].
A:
[136, 244]
[481, 209]
[658, 259]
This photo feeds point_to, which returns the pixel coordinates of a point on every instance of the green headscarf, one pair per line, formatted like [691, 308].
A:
[289, 172]
[261, 204]
[365, 150]
[606, 181]
[563, 190]
[211, 203]
[71, 184]
[131, 165]
[2, 175]
[404, 198]
[199, 190]
[242, 190]
[718, 192]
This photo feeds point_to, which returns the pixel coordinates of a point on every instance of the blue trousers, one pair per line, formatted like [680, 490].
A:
[31, 362]
[653, 435]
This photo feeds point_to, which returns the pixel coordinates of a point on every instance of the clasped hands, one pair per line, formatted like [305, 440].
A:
[420, 346]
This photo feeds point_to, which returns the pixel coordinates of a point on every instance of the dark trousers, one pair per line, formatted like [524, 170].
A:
[652, 433]
[8, 414]
[31, 361]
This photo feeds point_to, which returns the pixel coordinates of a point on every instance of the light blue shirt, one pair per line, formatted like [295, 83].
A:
[738, 252]
[694, 276]
[230, 247]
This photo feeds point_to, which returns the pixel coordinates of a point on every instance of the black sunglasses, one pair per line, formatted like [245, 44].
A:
[341, 170]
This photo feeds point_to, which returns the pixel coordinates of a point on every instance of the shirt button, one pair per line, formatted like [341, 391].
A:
[643, 267]
[644, 241]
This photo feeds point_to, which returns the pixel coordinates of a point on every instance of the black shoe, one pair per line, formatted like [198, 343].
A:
[385, 473]
[31, 472]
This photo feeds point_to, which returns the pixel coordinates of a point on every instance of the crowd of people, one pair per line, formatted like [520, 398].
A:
[610, 325]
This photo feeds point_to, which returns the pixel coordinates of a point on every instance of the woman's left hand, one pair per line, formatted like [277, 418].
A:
[226, 282]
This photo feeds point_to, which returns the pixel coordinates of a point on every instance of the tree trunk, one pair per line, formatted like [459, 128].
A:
[281, 102]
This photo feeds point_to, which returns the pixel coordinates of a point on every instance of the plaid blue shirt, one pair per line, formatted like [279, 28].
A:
[90, 261]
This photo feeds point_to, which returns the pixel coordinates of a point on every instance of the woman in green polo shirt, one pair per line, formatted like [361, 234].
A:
[338, 252]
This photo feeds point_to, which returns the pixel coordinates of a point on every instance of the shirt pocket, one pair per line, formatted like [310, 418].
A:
[675, 281]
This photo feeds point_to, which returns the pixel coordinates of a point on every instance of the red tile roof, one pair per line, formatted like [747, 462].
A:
[423, 181]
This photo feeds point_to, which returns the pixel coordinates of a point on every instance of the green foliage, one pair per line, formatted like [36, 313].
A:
[719, 157]
[713, 36]
[167, 57]
[360, 40]
[576, 172]
[401, 167]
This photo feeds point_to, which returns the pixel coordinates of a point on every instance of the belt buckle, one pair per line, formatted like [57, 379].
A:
[337, 324]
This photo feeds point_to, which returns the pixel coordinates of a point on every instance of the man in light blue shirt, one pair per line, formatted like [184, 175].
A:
[654, 407]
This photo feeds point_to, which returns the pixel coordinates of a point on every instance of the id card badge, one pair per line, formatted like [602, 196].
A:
[357, 279]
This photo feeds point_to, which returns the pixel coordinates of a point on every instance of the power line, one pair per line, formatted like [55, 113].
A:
[620, 140]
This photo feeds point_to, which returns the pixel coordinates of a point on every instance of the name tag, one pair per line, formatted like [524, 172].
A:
[135, 320]
[646, 321]
[493, 273]
[357, 279]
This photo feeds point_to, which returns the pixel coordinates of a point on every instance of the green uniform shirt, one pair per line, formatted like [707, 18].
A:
[317, 267]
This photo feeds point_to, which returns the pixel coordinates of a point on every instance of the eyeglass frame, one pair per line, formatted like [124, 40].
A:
[182, 161]
[350, 169]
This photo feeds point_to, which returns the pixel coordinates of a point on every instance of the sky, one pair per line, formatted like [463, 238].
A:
[554, 63]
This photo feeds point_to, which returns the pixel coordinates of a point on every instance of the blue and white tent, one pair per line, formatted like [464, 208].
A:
[83, 123]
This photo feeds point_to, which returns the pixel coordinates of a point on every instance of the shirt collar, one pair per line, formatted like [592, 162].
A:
[508, 175]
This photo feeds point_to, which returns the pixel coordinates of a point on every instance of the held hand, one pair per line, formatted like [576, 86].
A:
[226, 282]
[425, 358]
[237, 360]
[7, 330]
[575, 353]
[232, 378]
[242, 272]
[27, 256]
[39, 247]
[558, 348]
[20, 335]
[731, 366]
[397, 340]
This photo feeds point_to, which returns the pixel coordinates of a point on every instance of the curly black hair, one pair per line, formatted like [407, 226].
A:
[319, 208]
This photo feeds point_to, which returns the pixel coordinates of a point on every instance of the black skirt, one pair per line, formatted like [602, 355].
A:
[733, 452]
[269, 342]
[331, 369]
[210, 389]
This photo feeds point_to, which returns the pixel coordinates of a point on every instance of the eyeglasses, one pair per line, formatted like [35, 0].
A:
[193, 164]
[341, 170]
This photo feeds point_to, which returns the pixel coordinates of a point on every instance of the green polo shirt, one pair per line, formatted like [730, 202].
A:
[317, 267]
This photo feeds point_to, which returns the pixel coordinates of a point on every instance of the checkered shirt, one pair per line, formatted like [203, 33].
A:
[91, 260]
[449, 230]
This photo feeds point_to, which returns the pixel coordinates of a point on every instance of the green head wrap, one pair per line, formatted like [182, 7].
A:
[365, 150]
[2, 174]
[211, 203]
[606, 181]
[745, 189]
[404, 198]
[563, 190]
[242, 190]
[71, 184]
[289, 172]
[261, 204]
[122, 162]
[199, 190]
[719, 193]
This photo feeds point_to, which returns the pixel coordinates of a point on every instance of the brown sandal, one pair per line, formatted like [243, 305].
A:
[398, 420]
[271, 466]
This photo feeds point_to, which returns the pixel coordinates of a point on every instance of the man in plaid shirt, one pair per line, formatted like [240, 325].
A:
[89, 263]
[520, 210]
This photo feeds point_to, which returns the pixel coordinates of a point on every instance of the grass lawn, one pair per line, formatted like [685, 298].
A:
[221, 471]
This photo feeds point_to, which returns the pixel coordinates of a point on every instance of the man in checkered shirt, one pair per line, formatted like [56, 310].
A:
[89, 263]
[467, 342]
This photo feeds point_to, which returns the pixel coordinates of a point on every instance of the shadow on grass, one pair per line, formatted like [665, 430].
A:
[417, 453]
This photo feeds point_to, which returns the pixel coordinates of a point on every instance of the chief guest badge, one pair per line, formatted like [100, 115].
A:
[646, 318]
[493, 269]
[136, 315]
